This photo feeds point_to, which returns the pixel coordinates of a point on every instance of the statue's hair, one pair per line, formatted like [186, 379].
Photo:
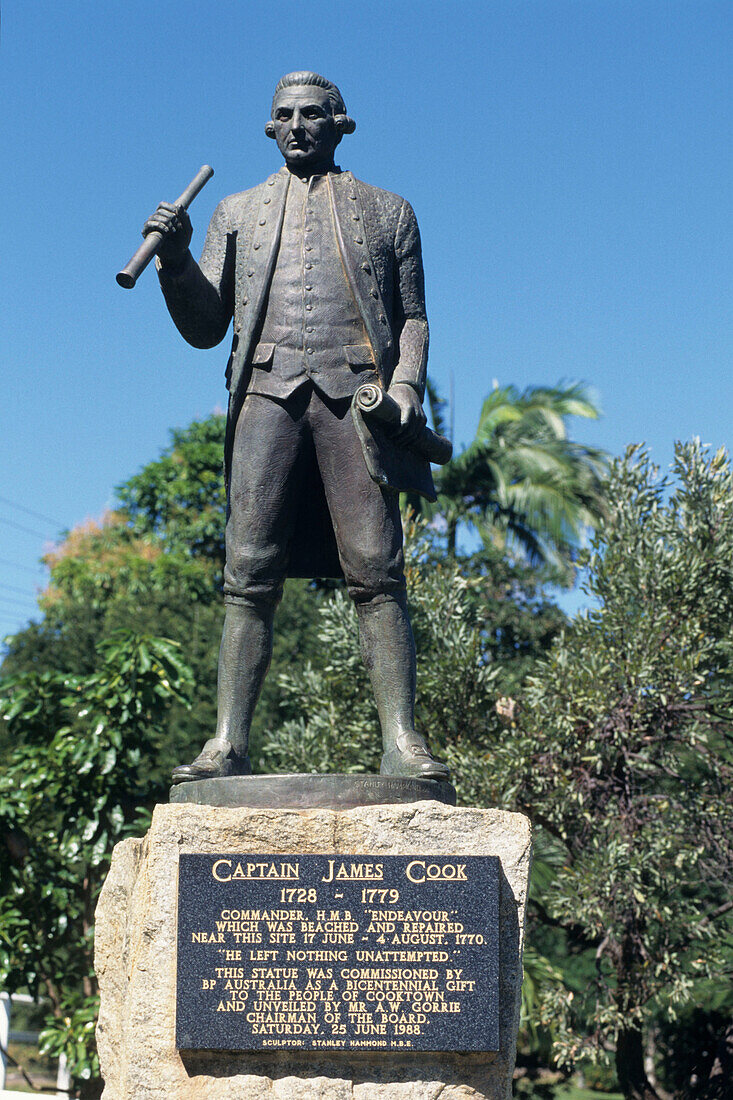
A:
[305, 77]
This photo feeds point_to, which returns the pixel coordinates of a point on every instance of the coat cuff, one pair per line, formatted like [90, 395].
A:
[419, 390]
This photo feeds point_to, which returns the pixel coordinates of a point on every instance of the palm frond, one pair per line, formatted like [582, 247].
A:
[521, 480]
[437, 406]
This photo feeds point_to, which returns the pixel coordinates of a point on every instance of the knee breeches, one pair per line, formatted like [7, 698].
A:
[274, 443]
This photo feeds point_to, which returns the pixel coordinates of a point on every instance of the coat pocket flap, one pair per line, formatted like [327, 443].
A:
[263, 354]
[359, 355]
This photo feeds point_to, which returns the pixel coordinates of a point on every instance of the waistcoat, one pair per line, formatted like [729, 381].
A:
[312, 327]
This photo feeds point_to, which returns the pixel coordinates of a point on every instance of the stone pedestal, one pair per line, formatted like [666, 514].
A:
[136, 956]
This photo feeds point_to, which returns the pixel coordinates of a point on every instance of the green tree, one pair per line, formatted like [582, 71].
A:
[619, 749]
[155, 565]
[180, 497]
[78, 781]
[522, 483]
[105, 577]
[622, 753]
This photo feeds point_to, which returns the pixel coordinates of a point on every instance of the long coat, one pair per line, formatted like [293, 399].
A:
[379, 243]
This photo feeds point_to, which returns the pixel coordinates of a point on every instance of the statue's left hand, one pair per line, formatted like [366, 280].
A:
[412, 414]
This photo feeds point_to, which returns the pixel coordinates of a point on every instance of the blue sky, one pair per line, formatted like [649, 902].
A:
[569, 162]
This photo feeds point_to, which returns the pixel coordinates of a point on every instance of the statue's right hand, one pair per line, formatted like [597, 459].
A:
[174, 224]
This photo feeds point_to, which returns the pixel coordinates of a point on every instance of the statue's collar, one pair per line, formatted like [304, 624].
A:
[335, 171]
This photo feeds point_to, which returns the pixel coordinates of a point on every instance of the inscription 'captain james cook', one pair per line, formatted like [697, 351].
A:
[417, 870]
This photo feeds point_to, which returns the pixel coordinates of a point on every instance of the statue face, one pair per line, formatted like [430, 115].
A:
[304, 126]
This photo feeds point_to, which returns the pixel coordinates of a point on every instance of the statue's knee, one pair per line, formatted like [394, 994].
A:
[367, 597]
[260, 598]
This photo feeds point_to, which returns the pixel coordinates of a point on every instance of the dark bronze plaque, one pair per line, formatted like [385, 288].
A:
[340, 952]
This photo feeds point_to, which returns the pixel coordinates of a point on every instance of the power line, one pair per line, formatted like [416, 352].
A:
[25, 568]
[30, 512]
[22, 621]
[14, 588]
[21, 603]
[26, 530]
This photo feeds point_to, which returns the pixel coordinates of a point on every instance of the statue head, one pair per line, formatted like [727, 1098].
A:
[308, 120]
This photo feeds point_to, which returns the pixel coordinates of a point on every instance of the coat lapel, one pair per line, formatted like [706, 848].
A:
[266, 238]
[259, 265]
[348, 218]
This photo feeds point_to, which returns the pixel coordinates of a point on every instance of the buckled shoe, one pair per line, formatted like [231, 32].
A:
[410, 758]
[216, 760]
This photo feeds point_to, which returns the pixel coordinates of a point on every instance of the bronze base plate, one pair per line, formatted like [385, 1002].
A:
[308, 792]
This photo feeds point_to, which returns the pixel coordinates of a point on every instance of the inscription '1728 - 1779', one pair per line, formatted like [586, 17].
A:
[339, 952]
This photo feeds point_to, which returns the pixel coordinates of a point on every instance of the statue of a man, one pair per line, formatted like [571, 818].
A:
[323, 277]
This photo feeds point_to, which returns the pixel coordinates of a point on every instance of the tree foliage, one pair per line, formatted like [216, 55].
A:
[619, 749]
[180, 497]
[78, 781]
[622, 752]
[154, 565]
[522, 483]
[104, 577]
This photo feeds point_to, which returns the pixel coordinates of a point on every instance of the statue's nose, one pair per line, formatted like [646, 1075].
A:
[297, 121]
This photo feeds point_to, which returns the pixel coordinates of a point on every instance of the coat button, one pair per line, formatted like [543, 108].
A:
[359, 240]
[373, 293]
[270, 183]
[256, 245]
[366, 267]
[244, 303]
[382, 318]
[263, 222]
[267, 200]
[355, 217]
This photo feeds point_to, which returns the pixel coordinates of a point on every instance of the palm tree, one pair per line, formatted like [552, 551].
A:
[522, 483]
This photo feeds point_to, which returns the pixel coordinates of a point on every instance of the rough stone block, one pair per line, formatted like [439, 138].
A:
[136, 956]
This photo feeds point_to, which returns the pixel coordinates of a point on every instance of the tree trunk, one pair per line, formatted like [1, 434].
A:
[632, 1078]
[650, 1065]
[452, 538]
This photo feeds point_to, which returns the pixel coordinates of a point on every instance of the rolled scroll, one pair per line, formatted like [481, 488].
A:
[373, 401]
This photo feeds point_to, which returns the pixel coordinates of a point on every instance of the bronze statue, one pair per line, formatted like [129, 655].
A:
[323, 277]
